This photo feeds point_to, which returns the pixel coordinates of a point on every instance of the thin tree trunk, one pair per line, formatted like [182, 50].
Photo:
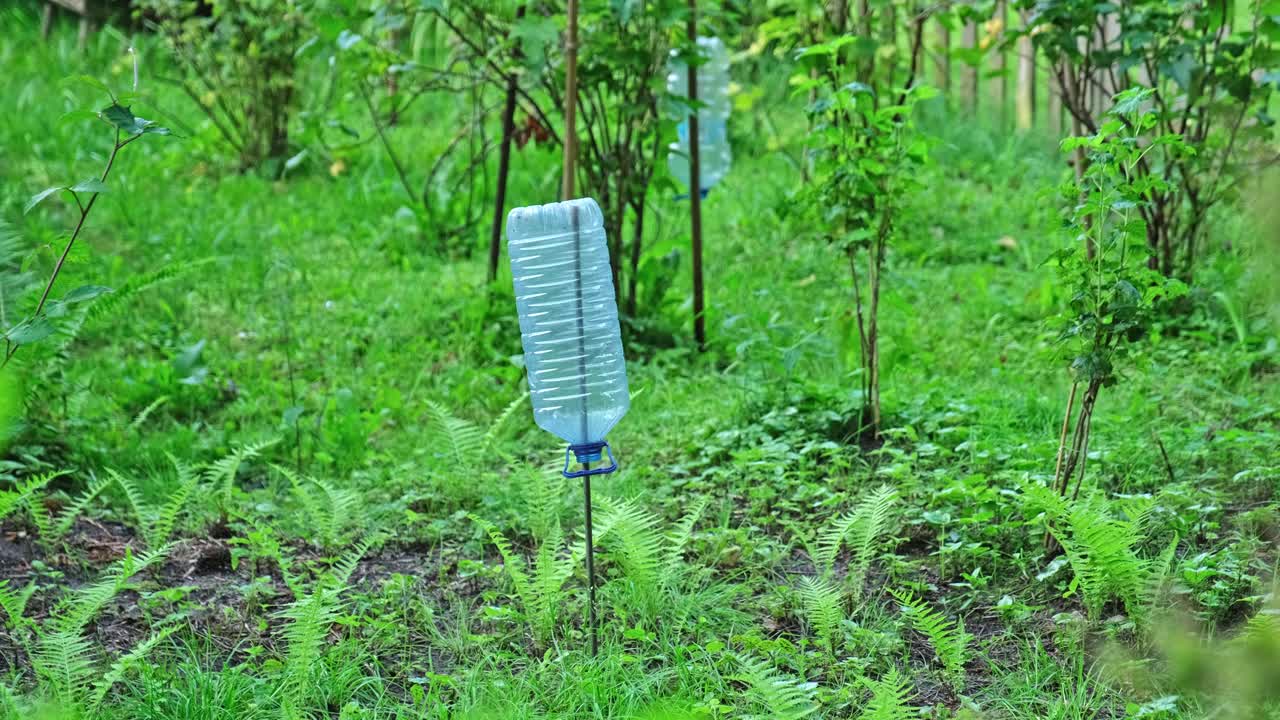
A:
[1000, 66]
[1026, 80]
[873, 335]
[695, 189]
[1054, 106]
[969, 73]
[637, 240]
[570, 103]
[504, 167]
[942, 72]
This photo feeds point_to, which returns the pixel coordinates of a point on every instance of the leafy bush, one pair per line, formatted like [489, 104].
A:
[868, 152]
[1212, 79]
[1114, 295]
[239, 60]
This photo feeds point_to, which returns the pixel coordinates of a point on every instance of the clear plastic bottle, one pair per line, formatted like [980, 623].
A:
[714, 156]
[568, 320]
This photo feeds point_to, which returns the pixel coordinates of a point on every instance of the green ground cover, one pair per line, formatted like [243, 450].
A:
[313, 426]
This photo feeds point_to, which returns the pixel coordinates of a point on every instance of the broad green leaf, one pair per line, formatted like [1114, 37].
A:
[40, 196]
[78, 115]
[90, 185]
[84, 293]
[124, 119]
[30, 330]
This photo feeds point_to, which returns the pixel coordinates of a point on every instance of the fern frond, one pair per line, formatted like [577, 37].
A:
[785, 697]
[340, 575]
[331, 512]
[11, 500]
[53, 528]
[109, 303]
[494, 434]
[678, 537]
[513, 563]
[461, 441]
[551, 570]
[9, 703]
[890, 698]
[122, 665]
[309, 619]
[824, 611]
[133, 494]
[155, 524]
[345, 509]
[75, 612]
[186, 478]
[636, 542]
[1261, 629]
[14, 603]
[222, 473]
[539, 587]
[63, 663]
[142, 416]
[543, 493]
[1102, 550]
[949, 640]
[862, 528]
[873, 514]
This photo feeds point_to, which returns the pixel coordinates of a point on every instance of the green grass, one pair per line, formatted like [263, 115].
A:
[335, 327]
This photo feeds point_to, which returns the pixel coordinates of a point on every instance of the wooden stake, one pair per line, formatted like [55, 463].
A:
[1054, 106]
[1026, 101]
[1000, 65]
[942, 73]
[570, 103]
[969, 73]
[695, 188]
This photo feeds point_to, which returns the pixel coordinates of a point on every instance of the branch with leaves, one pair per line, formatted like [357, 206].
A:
[127, 128]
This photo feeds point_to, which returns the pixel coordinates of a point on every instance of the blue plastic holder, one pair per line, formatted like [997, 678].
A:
[589, 453]
[701, 193]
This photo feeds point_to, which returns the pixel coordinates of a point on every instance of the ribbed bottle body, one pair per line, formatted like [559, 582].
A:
[568, 319]
[714, 155]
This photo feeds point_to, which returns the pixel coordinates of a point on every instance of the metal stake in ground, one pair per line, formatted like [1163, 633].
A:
[586, 466]
[572, 343]
[591, 565]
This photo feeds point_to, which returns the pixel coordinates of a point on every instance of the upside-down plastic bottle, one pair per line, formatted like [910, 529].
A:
[714, 156]
[569, 322]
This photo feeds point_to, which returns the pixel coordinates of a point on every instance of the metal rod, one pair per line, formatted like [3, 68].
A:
[585, 428]
[591, 566]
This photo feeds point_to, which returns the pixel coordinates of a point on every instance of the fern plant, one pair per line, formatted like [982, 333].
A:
[543, 490]
[155, 522]
[53, 526]
[66, 668]
[890, 698]
[332, 512]
[782, 696]
[651, 560]
[457, 440]
[309, 619]
[1101, 540]
[461, 441]
[860, 530]
[540, 586]
[948, 639]
[11, 500]
[824, 610]
[221, 475]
